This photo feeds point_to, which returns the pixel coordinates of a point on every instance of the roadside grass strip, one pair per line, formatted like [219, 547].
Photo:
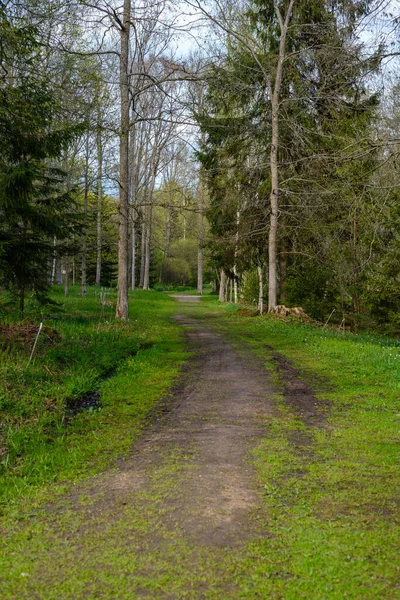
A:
[332, 490]
[132, 366]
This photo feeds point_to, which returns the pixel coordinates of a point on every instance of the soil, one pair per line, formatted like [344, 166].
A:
[299, 396]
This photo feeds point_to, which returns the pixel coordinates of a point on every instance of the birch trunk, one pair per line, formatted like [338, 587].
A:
[274, 196]
[123, 207]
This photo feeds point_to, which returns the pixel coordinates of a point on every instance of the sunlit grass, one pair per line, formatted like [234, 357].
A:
[39, 441]
[329, 527]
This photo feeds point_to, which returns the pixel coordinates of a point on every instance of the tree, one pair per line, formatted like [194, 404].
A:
[123, 206]
[35, 207]
[295, 118]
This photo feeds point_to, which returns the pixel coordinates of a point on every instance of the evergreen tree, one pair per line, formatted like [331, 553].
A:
[324, 154]
[34, 206]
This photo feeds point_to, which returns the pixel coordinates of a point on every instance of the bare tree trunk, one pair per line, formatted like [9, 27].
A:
[200, 271]
[200, 234]
[73, 271]
[85, 212]
[222, 286]
[99, 205]
[147, 249]
[123, 207]
[59, 276]
[133, 192]
[244, 279]
[167, 231]
[133, 252]
[260, 306]
[235, 274]
[146, 281]
[184, 218]
[66, 279]
[274, 196]
[142, 248]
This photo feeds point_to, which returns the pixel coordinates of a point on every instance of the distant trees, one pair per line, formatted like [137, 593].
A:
[296, 172]
[60, 98]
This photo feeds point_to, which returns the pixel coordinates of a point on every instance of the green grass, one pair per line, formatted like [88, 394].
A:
[40, 444]
[330, 526]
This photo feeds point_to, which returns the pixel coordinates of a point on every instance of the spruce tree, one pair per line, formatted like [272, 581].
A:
[34, 206]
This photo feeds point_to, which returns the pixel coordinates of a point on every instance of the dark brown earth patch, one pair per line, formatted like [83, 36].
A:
[299, 396]
[22, 336]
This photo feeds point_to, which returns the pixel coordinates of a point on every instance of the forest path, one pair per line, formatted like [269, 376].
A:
[184, 299]
[181, 507]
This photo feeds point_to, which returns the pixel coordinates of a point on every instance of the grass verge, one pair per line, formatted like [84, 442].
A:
[331, 490]
[40, 444]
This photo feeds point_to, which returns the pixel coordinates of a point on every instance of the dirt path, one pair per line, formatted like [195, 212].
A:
[184, 299]
[188, 492]
[214, 421]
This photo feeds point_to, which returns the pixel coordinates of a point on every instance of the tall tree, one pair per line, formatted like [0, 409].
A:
[123, 207]
[35, 204]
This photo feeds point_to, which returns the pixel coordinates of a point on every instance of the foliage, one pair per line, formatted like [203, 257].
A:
[35, 207]
[109, 258]
[175, 234]
[326, 156]
[250, 288]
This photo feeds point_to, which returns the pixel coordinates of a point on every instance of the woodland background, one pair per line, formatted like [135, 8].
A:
[250, 145]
